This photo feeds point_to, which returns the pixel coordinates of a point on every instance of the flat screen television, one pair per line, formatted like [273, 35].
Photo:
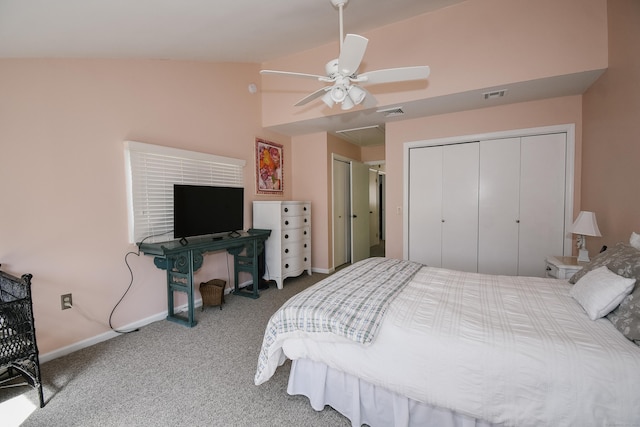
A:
[200, 210]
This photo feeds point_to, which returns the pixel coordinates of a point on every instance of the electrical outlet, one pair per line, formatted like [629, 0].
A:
[66, 301]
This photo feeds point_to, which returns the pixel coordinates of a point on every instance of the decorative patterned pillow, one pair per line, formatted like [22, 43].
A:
[622, 259]
[634, 240]
[626, 318]
[600, 291]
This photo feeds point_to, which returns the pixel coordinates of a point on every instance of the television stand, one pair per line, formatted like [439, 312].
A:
[181, 261]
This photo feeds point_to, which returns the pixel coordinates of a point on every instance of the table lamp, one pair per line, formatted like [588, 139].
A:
[585, 225]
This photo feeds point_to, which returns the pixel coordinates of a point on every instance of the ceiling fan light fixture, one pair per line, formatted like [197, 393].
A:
[338, 94]
[356, 94]
[347, 104]
[326, 98]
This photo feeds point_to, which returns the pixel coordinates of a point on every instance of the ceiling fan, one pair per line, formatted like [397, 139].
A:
[343, 73]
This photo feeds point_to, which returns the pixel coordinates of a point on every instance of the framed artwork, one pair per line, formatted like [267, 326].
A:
[269, 167]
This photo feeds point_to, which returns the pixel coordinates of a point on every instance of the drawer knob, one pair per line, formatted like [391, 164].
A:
[305, 245]
[305, 220]
[305, 259]
[286, 223]
[286, 251]
[304, 208]
[305, 232]
[286, 266]
[286, 209]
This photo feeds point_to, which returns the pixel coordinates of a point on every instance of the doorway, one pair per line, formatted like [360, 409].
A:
[351, 211]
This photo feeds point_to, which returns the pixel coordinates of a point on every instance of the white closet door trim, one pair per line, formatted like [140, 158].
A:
[569, 129]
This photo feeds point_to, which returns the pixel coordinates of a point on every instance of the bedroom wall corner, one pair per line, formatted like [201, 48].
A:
[611, 148]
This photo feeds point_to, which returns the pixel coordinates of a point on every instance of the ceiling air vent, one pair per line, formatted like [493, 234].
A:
[366, 136]
[494, 94]
[392, 112]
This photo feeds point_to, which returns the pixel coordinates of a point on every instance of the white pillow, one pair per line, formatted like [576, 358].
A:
[600, 291]
[634, 240]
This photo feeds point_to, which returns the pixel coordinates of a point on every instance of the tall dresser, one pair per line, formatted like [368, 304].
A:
[288, 249]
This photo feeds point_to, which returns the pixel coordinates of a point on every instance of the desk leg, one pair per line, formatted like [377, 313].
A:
[180, 282]
[248, 263]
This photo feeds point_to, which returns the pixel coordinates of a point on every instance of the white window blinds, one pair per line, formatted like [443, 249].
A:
[152, 170]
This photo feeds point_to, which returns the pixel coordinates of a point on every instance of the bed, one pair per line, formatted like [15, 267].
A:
[391, 342]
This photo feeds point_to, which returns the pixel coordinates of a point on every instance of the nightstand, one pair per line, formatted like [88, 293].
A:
[563, 267]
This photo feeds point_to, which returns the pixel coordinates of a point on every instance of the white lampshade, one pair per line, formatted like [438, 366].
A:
[586, 224]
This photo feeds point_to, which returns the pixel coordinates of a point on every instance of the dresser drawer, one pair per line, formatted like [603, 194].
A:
[562, 267]
[295, 235]
[553, 271]
[296, 263]
[296, 209]
[295, 221]
[290, 249]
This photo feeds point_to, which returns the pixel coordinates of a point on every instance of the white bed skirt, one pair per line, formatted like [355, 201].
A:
[364, 403]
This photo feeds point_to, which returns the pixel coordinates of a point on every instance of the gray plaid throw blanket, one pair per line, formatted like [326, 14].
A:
[350, 303]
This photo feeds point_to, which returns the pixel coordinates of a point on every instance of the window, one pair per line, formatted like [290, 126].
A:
[151, 172]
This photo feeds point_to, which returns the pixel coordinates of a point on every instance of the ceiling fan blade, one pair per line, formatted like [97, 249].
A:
[292, 74]
[351, 54]
[311, 97]
[391, 75]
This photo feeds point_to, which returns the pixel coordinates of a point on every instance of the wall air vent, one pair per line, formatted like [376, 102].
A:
[494, 94]
[391, 112]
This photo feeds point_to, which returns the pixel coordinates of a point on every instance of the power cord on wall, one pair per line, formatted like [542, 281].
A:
[126, 261]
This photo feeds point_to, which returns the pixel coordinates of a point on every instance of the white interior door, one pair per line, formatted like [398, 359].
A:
[460, 206]
[499, 206]
[425, 206]
[360, 246]
[542, 201]
[374, 204]
[341, 206]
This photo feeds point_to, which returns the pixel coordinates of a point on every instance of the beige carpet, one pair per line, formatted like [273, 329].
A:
[170, 375]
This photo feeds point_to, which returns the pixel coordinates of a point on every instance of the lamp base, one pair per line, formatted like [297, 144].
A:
[583, 255]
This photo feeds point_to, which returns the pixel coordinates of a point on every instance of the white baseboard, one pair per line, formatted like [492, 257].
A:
[322, 270]
[112, 334]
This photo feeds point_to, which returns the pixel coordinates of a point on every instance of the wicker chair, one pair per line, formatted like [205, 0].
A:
[18, 348]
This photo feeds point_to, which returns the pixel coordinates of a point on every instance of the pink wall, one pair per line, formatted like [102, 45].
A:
[471, 45]
[515, 116]
[62, 180]
[372, 154]
[611, 144]
[312, 171]
[310, 183]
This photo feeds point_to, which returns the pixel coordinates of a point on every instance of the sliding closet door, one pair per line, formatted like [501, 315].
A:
[542, 201]
[499, 209]
[443, 206]
[460, 170]
[425, 205]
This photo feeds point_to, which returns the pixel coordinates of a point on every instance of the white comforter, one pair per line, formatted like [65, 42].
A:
[511, 350]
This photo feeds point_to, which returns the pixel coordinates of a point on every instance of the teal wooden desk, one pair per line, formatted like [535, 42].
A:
[182, 258]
